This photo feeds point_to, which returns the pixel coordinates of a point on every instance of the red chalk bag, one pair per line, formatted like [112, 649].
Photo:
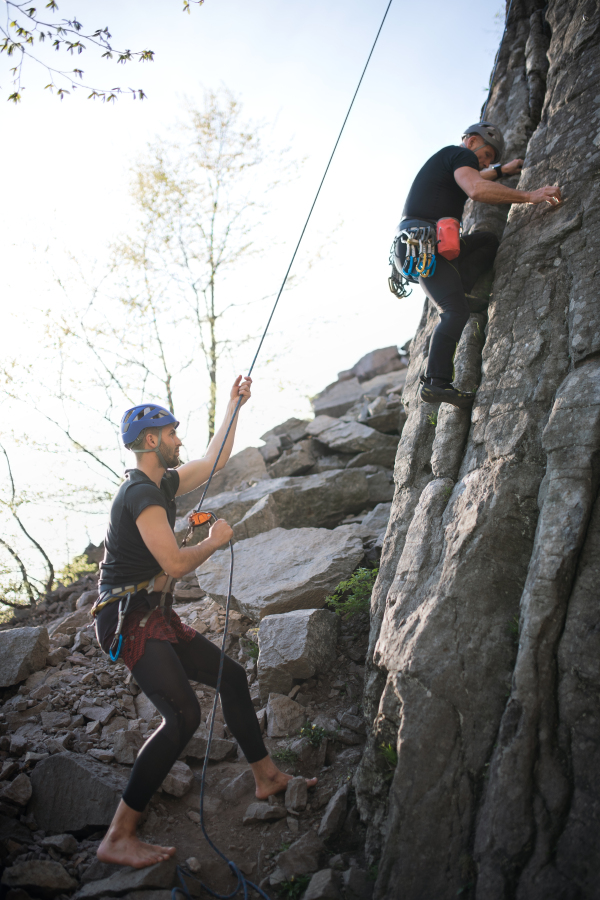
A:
[448, 236]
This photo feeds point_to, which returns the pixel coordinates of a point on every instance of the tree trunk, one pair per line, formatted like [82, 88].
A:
[495, 521]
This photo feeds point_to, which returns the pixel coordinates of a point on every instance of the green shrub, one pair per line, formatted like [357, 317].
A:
[285, 756]
[353, 595]
[250, 647]
[294, 887]
[315, 734]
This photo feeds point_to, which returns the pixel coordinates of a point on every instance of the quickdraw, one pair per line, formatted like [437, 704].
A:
[420, 251]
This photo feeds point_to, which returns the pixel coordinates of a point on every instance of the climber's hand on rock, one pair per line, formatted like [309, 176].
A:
[220, 534]
[548, 194]
[512, 168]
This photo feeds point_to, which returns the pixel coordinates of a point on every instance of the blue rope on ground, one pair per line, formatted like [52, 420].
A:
[242, 882]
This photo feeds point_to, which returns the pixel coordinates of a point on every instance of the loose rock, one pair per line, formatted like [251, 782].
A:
[284, 716]
[263, 812]
[335, 813]
[72, 792]
[18, 791]
[324, 885]
[296, 645]
[296, 794]
[39, 877]
[22, 652]
[302, 858]
[162, 875]
[179, 780]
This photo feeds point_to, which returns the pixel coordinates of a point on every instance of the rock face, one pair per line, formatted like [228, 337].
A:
[281, 570]
[22, 652]
[485, 676]
[298, 645]
[74, 793]
[240, 471]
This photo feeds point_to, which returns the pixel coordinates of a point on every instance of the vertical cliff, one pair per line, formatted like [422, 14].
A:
[485, 642]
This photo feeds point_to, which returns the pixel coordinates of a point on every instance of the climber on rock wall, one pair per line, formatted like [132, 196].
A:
[440, 191]
[161, 652]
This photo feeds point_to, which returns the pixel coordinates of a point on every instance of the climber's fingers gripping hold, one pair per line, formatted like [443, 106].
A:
[548, 194]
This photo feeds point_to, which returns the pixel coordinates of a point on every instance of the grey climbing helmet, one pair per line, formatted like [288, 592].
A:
[491, 134]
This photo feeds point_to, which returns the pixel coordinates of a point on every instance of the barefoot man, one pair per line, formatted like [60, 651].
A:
[162, 653]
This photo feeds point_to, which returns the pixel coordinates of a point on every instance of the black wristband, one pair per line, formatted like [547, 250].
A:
[498, 170]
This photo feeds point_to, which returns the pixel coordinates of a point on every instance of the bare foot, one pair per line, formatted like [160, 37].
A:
[270, 780]
[128, 850]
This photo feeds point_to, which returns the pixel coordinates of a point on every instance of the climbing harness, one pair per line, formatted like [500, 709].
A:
[398, 283]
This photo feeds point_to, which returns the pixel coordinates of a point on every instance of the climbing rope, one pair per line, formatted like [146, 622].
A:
[497, 57]
[199, 517]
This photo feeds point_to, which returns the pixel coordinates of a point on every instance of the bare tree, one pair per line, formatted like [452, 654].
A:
[200, 208]
[23, 26]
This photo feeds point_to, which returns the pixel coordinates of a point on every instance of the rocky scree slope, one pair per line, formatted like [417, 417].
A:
[71, 723]
[483, 672]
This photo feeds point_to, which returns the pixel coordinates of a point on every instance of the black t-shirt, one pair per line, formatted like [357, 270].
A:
[126, 557]
[434, 193]
[127, 560]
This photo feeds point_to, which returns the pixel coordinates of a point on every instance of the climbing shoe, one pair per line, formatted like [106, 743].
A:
[431, 393]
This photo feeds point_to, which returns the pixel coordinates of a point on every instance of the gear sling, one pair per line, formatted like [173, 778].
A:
[422, 239]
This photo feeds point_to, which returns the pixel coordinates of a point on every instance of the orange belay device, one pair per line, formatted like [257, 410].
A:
[197, 517]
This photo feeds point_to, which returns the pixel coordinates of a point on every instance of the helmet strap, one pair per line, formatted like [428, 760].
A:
[156, 450]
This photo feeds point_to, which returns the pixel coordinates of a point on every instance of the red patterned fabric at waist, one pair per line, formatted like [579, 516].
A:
[156, 628]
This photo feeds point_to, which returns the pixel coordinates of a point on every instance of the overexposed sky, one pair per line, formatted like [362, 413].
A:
[294, 66]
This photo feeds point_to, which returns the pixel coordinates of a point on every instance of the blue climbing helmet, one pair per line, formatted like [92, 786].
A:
[146, 415]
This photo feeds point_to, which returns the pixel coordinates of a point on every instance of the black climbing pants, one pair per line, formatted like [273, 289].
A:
[447, 288]
[163, 673]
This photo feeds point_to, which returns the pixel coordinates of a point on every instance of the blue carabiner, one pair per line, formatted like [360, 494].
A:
[116, 655]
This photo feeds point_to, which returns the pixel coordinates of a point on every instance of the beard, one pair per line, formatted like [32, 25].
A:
[172, 458]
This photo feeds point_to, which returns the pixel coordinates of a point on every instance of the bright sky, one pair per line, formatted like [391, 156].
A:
[294, 66]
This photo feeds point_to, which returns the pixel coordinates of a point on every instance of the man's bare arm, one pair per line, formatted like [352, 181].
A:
[196, 472]
[510, 168]
[160, 541]
[484, 191]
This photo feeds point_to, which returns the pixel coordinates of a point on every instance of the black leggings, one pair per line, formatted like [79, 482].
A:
[163, 673]
[447, 288]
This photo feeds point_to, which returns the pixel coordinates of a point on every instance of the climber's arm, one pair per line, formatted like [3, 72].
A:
[510, 168]
[196, 472]
[483, 191]
[177, 561]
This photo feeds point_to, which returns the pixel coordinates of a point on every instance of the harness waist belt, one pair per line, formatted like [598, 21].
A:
[109, 593]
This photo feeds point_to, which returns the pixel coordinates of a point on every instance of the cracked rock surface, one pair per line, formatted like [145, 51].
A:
[481, 770]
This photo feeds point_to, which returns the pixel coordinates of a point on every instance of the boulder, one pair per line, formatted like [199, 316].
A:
[323, 499]
[261, 517]
[86, 599]
[283, 570]
[179, 781]
[64, 843]
[160, 876]
[302, 858]
[335, 813]
[126, 746]
[240, 471]
[297, 460]
[293, 429]
[144, 708]
[324, 885]
[339, 397]
[295, 645]
[17, 791]
[375, 522]
[296, 794]
[354, 723]
[352, 437]
[263, 812]
[220, 748]
[357, 884]
[23, 651]
[100, 714]
[377, 362]
[73, 620]
[284, 716]
[39, 877]
[73, 792]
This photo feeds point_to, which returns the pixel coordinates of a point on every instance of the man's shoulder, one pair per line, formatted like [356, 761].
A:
[456, 156]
